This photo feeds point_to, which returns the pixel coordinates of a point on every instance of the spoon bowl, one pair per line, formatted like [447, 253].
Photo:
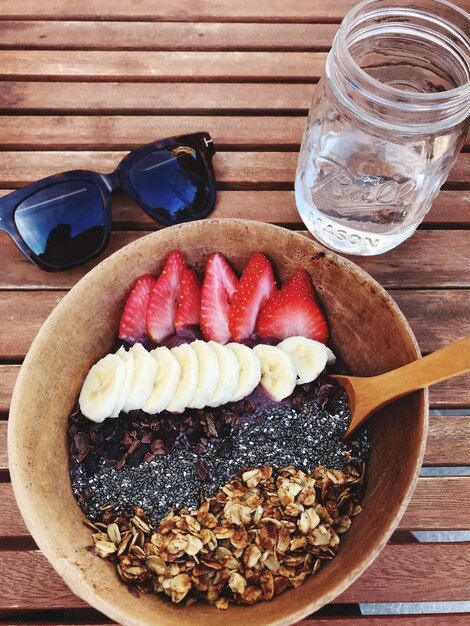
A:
[368, 394]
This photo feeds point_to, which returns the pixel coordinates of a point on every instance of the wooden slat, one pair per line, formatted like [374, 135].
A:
[184, 10]
[61, 132]
[436, 317]
[125, 133]
[99, 98]
[448, 440]
[8, 375]
[401, 573]
[426, 510]
[165, 36]
[3, 444]
[408, 266]
[151, 66]
[242, 169]
[450, 208]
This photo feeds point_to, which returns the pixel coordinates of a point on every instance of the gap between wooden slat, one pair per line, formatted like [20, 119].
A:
[232, 169]
[401, 573]
[61, 132]
[76, 35]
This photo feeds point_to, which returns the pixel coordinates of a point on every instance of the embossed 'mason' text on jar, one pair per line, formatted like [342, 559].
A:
[386, 123]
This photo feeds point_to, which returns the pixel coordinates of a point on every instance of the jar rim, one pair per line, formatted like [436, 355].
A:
[457, 93]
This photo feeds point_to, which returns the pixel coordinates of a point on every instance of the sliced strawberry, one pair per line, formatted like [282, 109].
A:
[220, 283]
[189, 301]
[162, 305]
[293, 311]
[300, 284]
[132, 326]
[256, 286]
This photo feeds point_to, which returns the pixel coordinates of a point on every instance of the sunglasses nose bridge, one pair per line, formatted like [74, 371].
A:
[112, 180]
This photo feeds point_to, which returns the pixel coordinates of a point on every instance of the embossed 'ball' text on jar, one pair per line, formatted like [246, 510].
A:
[386, 123]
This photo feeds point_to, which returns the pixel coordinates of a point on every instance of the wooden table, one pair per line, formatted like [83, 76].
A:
[83, 82]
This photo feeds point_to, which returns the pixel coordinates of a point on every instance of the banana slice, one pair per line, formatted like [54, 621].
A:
[309, 357]
[128, 360]
[102, 387]
[189, 375]
[250, 370]
[145, 372]
[208, 374]
[278, 373]
[166, 382]
[229, 369]
[331, 356]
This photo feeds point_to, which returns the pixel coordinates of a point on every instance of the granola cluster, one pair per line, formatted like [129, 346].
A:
[257, 537]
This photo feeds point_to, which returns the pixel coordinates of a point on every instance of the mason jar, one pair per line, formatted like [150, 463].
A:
[386, 123]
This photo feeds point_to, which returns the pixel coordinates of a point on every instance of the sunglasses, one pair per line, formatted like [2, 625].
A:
[65, 220]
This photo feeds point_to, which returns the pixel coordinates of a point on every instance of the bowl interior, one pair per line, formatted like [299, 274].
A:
[368, 332]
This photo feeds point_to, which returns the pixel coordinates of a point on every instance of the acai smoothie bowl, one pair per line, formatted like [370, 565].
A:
[176, 441]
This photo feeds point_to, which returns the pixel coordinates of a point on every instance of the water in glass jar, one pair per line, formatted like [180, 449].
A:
[366, 177]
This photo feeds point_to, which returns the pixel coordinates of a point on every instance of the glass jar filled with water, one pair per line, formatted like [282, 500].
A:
[387, 121]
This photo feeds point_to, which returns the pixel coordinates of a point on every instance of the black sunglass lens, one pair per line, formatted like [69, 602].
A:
[64, 223]
[173, 183]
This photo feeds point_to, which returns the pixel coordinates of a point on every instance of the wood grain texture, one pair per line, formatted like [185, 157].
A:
[119, 132]
[234, 169]
[151, 66]
[425, 511]
[185, 10]
[401, 573]
[99, 98]
[409, 266]
[75, 35]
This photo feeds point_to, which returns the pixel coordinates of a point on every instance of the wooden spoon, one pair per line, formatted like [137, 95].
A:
[367, 395]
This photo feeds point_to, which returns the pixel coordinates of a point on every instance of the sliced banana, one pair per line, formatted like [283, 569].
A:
[229, 369]
[309, 357]
[331, 360]
[278, 373]
[250, 370]
[208, 374]
[166, 382]
[102, 387]
[145, 372]
[189, 375]
[128, 360]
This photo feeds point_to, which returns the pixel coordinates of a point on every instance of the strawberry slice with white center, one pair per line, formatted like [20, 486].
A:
[256, 286]
[189, 301]
[293, 311]
[163, 301]
[132, 327]
[220, 283]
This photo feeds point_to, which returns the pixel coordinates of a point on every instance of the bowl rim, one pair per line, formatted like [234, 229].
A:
[65, 567]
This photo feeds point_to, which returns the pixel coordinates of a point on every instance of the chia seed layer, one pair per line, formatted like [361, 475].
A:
[304, 432]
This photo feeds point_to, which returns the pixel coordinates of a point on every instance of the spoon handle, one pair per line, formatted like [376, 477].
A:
[440, 365]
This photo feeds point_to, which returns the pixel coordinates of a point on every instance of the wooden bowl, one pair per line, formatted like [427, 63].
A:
[368, 332]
